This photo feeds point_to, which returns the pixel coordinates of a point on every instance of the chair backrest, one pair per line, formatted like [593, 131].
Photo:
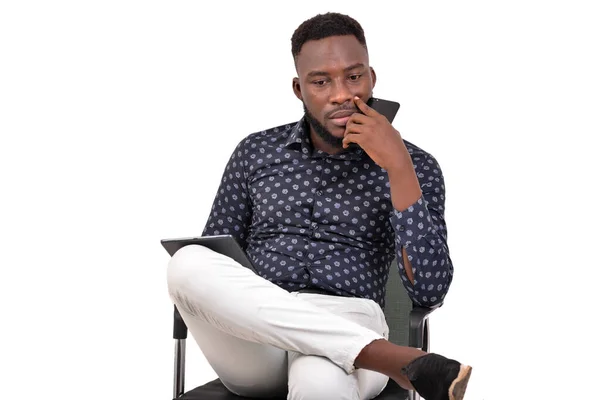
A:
[397, 307]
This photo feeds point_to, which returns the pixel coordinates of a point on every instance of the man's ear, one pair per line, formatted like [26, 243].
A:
[296, 87]
[373, 76]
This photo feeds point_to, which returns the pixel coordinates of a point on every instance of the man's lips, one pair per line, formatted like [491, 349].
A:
[340, 118]
[340, 121]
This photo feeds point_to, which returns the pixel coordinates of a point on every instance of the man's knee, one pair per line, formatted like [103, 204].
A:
[184, 262]
[317, 378]
[181, 269]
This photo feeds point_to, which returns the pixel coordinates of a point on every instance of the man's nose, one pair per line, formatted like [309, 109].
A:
[340, 93]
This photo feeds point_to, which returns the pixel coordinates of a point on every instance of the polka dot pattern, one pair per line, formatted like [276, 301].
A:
[309, 219]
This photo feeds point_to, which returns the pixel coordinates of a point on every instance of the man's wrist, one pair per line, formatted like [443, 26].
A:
[413, 223]
[404, 186]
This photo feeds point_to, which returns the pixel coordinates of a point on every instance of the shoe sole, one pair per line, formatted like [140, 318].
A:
[459, 385]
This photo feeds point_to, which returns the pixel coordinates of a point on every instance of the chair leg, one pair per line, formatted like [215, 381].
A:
[426, 343]
[179, 378]
[412, 395]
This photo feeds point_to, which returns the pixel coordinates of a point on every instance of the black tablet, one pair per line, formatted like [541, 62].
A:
[222, 244]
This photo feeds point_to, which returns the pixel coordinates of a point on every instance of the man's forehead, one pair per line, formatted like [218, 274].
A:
[333, 53]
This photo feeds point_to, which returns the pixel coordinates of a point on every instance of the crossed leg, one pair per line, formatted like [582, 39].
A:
[245, 368]
[262, 340]
[261, 371]
[315, 377]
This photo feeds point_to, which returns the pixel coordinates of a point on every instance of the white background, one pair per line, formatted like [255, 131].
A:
[117, 118]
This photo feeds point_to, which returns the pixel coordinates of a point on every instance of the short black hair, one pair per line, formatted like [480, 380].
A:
[325, 25]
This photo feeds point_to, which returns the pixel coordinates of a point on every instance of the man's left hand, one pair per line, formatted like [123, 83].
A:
[375, 135]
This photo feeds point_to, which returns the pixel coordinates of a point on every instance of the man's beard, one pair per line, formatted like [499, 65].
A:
[323, 132]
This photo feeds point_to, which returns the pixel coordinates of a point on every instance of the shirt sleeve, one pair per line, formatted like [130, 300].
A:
[231, 211]
[421, 230]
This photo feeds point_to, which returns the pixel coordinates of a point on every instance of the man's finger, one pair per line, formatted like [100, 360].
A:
[353, 127]
[362, 106]
[359, 118]
[351, 138]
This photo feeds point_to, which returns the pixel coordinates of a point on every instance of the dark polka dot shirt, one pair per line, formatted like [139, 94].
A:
[308, 219]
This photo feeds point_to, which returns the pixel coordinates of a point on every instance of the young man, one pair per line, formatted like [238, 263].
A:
[321, 207]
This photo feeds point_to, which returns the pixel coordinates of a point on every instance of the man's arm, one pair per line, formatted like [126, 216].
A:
[418, 217]
[421, 236]
[231, 211]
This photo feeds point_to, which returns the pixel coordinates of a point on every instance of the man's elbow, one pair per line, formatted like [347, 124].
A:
[428, 302]
[431, 295]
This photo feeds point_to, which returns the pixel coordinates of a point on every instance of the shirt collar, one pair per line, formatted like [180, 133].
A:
[299, 139]
[296, 136]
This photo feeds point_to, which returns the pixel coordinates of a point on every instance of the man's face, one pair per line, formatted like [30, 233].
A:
[331, 72]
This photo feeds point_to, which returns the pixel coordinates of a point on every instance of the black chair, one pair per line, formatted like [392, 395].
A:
[409, 326]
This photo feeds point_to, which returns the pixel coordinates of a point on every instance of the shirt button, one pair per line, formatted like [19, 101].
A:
[401, 228]
[319, 193]
[313, 225]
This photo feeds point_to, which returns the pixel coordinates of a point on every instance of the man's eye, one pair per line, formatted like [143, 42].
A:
[319, 83]
[354, 77]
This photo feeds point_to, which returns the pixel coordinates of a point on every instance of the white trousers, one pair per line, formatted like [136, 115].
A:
[263, 341]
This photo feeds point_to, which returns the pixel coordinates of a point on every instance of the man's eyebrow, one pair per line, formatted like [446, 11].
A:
[323, 73]
[354, 66]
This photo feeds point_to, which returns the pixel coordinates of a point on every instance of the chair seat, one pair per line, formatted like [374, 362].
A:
[216, 391]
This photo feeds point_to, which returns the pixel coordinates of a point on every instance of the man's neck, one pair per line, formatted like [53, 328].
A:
[319, 143]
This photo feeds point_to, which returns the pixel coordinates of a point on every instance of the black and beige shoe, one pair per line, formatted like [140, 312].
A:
[436, 377]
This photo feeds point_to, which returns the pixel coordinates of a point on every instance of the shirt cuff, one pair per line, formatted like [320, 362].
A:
[413, 223]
